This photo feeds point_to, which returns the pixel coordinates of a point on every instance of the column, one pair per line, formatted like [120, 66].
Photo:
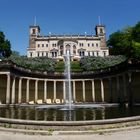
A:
[130, 94]
[74, 95]
[8, 89]
[64, 91]
[36, 90]
[110, 90]
[13, 91]
[84, 98]
[45, 90]
[124, 88]
[102, 91]
[93, 91]
[19, 90]
[118, 88]
[27, 90]
[54, 87]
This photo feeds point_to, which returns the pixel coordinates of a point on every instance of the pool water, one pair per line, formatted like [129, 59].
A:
[77, 114]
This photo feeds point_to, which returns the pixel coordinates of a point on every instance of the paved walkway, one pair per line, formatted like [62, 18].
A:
[123, 135]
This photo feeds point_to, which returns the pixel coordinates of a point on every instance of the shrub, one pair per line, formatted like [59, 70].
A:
[88, 63]
[92, 63]
[38, 63]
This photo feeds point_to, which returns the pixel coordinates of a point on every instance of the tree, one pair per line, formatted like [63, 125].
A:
[136, 50]
[126, 42]
[136, 33]
[5, 46]
[120, 42]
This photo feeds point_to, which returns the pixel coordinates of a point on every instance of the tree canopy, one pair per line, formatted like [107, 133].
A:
[5, 46]
[136, 33]
[126, 42]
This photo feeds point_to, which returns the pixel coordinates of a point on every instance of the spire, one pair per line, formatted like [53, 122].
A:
[99, 19]
[35, 21]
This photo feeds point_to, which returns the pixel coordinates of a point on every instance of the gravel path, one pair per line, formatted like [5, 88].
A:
[123, 135]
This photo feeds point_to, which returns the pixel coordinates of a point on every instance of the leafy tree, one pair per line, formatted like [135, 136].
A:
[136, 50]
[120, 42]
[126, 42]
[5, 46]
[136, 33]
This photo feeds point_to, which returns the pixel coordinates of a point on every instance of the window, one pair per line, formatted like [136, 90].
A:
[82, 53]
[33, 31]
[92, 45]
[74, 47]
[54, 45]
[92, 53]
[55, 54]
[52, 54]
[31, 54]
[61, 47]
[96, 44]
[61, 52]
[46, 54]
[81, 44]
[38, 54]
[88, 53]
[104, 53]
[97, 53]
[88, 45]
[101, 30]
[38, 45]
[46, 45]
[42, 45]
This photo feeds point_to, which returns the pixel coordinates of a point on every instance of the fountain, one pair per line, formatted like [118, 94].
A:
[69, 109]
[69, 106]
[68, 81]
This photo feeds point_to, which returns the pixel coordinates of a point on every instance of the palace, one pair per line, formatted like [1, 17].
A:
[56, 46]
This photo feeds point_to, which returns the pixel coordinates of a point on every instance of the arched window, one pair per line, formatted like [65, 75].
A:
[33, 31]
[67, 47]
[101, 30]
[61, 47]
[74, 47]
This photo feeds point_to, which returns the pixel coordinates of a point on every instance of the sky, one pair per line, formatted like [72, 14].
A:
[64, 17]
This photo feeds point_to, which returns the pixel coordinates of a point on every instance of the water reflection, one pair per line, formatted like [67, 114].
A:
[31, 113]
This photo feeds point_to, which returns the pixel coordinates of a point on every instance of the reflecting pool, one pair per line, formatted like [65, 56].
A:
[77, 114]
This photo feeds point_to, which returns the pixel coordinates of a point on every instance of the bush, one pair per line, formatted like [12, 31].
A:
[38, 63]
[85, 64]
[92, 63]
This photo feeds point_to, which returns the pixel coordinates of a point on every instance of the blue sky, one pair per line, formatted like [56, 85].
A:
[64, 17]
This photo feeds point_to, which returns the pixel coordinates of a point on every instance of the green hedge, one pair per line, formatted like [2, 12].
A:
[93, 63]
[85, 64]
[41, 63]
